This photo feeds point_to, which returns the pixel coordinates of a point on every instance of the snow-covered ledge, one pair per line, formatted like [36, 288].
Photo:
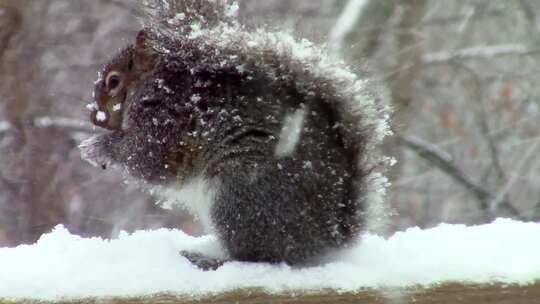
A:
[147, 263]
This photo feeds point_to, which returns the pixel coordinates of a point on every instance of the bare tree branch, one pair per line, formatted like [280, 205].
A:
[528, 11]
[477, 92]
[525, 161]
[406, 69]
[460, 18]
[443, 161]
[483, 52]
[10, 22]
[345, 23]
[360, 26]
[122, 4]
[71, 125]
[409, 55]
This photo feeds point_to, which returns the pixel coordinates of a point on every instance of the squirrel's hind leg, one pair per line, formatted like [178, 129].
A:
[203, 262]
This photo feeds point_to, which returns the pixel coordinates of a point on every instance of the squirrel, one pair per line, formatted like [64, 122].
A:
[267, 140]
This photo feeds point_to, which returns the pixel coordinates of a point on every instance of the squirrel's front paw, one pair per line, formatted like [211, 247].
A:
[203, 262]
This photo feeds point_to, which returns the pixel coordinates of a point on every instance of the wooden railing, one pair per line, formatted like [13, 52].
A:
[455, 293]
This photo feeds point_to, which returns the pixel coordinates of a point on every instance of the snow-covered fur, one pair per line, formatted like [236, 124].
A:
[285, 133]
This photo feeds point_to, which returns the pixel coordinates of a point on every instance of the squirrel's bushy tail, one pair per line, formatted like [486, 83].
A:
[183, 17]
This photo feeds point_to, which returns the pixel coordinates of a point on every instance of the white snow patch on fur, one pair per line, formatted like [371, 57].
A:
[291, 132]
[196, 195]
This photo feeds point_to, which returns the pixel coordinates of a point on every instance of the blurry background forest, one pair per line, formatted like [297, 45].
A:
[460, 76]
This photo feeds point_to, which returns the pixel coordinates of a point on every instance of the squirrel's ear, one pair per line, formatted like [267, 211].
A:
[140, 41]
[144, 57]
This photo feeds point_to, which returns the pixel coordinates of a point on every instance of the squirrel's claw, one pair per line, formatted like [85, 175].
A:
[203, 262]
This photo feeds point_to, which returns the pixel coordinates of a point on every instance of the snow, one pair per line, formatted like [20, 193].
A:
[4, 126]
[232, 10]
[147, 262]
[178, 17]
[101, 116]
[290, 133]
[196, 98]
[92, 106]
[346, 23]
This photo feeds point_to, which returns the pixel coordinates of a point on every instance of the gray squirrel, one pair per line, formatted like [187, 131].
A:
[267, 140]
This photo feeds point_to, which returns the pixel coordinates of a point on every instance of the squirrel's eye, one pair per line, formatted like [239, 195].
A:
[113, 81]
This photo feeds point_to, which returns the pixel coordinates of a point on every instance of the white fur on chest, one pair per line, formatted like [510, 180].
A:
[197, 195]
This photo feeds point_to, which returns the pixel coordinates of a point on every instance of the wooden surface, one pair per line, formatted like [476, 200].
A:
[443, 294]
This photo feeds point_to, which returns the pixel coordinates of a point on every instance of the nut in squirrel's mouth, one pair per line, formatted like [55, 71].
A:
[111, 116]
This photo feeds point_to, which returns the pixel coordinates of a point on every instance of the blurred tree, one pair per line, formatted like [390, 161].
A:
[49, 53]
